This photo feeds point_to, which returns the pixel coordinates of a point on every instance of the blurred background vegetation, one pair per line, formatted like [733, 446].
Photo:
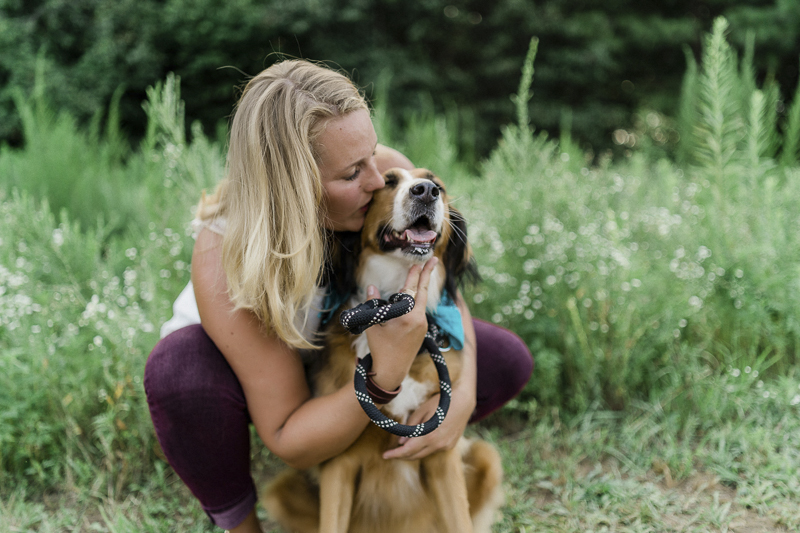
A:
[599, 63]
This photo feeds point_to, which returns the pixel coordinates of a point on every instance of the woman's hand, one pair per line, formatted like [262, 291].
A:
[446, 436]
[395, 344]
[462, 404]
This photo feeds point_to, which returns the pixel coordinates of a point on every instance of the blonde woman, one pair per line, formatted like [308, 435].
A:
[303, 164]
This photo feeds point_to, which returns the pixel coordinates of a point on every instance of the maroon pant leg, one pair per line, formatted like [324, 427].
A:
[201, 421]
[504, 367]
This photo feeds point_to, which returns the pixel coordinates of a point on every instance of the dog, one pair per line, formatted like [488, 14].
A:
[358, 491]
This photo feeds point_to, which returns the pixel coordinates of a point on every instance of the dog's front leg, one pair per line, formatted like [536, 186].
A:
[336, 489]
[446, 483]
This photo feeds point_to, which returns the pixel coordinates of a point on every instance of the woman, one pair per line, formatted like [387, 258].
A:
[303, 162]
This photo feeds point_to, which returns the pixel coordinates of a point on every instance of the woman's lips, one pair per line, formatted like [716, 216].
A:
[364, 209]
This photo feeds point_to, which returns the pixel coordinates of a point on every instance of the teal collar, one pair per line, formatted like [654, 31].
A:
[447, 316]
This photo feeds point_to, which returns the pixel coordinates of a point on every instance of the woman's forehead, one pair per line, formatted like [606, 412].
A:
[346, 140]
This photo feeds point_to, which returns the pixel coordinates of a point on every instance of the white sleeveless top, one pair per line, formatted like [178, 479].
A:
[184, 310]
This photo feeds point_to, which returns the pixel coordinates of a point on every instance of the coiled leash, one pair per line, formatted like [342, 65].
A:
[375, 311]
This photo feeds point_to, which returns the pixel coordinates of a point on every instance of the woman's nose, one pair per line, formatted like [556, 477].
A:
[374, 179]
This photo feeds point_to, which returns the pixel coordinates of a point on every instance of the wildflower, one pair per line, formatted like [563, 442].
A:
[58, 237]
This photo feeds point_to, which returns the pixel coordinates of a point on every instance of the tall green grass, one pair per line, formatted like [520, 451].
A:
[663, 286]
[95, 246]
[627, 277]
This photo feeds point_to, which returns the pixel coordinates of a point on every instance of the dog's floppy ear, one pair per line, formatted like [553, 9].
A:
[458, 258]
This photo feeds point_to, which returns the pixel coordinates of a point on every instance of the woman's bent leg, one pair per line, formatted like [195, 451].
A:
[504, 366]
[201, 421]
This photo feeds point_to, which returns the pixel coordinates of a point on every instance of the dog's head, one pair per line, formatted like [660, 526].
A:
[410, 220]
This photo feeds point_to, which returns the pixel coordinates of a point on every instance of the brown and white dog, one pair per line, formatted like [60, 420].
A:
[358, 491]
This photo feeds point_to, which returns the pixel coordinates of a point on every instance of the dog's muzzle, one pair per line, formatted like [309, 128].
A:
[419, 237]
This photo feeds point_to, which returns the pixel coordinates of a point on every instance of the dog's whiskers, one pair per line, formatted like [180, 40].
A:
[462, 235]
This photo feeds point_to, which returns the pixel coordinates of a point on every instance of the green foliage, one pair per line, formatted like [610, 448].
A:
[617, 269]
[523, 95]
[82, 295]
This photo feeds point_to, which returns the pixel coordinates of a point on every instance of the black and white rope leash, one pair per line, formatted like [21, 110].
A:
[375, 311]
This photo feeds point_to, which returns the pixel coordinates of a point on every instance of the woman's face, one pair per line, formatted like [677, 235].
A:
[346, 151]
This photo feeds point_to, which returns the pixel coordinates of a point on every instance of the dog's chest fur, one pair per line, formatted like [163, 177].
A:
[388, 273]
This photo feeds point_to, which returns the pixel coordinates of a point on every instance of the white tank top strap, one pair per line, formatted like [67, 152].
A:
[216, 225]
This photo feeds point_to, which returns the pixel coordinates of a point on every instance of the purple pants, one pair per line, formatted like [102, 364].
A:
[201, 420]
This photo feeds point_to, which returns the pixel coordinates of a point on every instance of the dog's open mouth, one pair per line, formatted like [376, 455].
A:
[418, 238]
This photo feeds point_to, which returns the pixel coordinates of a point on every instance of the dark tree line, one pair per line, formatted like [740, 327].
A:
[601, 60]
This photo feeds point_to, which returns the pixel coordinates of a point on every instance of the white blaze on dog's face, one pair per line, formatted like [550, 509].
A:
[404, 226]
[414, 223]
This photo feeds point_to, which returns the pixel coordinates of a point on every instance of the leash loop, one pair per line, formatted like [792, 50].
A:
[376, 311]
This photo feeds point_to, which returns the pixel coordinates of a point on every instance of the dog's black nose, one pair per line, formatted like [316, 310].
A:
[425, 191]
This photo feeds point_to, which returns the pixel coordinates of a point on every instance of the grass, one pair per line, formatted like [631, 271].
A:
[600, 471]
[657, 290]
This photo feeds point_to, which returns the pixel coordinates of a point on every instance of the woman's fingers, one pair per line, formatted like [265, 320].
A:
[418, 280]
[372, 292]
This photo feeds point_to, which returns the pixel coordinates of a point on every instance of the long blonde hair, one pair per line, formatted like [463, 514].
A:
[274, 244]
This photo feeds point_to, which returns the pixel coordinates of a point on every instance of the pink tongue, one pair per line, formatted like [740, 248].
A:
[413, 235]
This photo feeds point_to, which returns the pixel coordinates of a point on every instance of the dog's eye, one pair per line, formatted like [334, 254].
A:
[391, 181]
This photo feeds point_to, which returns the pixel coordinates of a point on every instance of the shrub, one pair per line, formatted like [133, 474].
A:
[626, 276]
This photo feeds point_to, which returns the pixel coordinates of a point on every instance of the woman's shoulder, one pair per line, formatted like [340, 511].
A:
[215, 225]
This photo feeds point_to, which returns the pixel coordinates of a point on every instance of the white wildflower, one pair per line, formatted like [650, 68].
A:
[58, 237]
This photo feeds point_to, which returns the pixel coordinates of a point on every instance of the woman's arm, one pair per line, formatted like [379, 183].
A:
[462, 403]
[301, 430]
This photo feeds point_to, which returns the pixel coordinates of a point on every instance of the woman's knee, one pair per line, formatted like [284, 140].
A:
[503, 350]
[504, 367]
[187, 363]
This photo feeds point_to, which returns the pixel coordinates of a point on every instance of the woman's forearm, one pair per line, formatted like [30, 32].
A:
[319, 429]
